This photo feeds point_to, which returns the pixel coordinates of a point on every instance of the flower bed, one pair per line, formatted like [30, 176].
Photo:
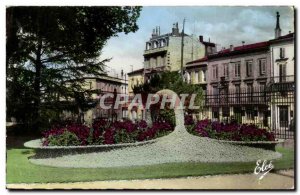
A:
[103, 132]
[243, 134]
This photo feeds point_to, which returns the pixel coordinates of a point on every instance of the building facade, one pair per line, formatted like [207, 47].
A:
[163, 52]
[135, 78]
[99, 86]
[251, 83]
[283, 84]
[237, 74]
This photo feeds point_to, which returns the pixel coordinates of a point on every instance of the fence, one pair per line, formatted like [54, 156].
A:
[271, 106]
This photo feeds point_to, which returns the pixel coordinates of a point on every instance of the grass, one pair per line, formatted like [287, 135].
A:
[20, 170]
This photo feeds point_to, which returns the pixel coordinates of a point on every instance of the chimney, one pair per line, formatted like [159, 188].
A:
[277, 29]
[175, 30]
[159, 30]
[153, 33]
[201, 39]
[243, 43]
[231, 48]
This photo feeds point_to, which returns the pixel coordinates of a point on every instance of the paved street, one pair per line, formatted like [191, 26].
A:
[279, 180]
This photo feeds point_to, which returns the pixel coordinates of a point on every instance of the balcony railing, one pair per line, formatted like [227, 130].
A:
[283, 79]
[155, 50]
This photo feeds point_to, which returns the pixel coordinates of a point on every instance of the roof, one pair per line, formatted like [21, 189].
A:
[199, 60]
[208, 43]
[283, 38]
[242, 49]
[136, 71]
[260, 46]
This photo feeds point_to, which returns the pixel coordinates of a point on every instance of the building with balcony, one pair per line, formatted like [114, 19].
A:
[236, 80]
[251, 83]
[163, 51]
[282, 86]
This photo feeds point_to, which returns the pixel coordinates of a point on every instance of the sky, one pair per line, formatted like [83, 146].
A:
[223, 25]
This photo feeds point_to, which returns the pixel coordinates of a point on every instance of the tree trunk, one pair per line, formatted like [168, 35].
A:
[37, 88]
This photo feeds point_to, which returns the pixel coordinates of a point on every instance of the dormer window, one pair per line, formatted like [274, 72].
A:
[155, 44]
[282, 53]
[148, 46]
[163, 43]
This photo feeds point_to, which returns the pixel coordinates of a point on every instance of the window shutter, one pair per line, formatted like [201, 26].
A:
[263, 66]
[260, 67]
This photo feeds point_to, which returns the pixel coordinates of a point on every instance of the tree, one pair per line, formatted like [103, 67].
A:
[174, 82]
[50, 48]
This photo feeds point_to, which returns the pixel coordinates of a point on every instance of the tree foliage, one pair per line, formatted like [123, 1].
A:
[49, 50]
[172, 81]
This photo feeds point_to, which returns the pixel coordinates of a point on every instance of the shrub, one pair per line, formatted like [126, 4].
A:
[231, 131]
[105, 132]
[67, 138]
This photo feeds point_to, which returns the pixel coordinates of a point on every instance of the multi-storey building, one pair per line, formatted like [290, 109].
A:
[99, 86]
[235, 73]
[283, 84]
[163, 52]
[251, 83]
[135, 78]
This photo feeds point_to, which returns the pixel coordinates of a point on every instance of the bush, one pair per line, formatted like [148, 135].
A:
[67, 138]
[105, 132]
[231, 131]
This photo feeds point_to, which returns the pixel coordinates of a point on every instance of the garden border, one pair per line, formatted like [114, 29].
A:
[268, 145]
[57, 151]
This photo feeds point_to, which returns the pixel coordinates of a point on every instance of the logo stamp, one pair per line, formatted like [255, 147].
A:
[263, 168]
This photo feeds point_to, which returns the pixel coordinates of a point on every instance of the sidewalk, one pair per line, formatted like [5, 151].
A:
[278, 180]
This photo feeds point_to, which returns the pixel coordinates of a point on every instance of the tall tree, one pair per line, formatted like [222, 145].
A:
[49, 46]
[173, 81]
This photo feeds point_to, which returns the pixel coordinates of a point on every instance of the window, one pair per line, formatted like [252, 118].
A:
[226, 70]
[215, 91]
[215, 112]
[196, 77]
[215, 72]
[204, 75]
[262, 86]
[215, 95]
[249, 68]
[237, 69]
[262, 94]
[282, 72]
[163, 43]
[148, 46]
[282, 53]
[225, 111]
[283, 116]
[249, 92]
[262, 66]
[250, 113]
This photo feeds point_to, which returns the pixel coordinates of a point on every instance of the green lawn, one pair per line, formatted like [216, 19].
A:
[19, 170]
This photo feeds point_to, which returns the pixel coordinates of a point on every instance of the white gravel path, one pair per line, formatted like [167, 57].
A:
[178, 146]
